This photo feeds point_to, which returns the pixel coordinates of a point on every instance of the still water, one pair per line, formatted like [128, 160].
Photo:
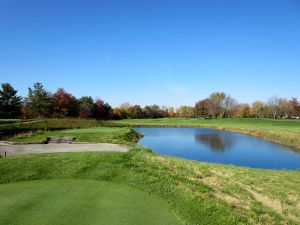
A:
[218, 146]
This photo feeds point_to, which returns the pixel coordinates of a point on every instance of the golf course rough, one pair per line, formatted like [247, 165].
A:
[82, 202]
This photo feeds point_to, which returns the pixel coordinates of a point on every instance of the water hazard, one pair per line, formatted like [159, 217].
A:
[218, 146]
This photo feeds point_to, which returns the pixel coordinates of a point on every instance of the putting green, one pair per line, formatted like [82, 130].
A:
[82, 202]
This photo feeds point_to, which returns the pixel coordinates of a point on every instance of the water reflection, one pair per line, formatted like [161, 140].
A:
[216, 142]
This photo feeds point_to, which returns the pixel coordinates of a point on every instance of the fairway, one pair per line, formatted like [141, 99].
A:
[82, 202]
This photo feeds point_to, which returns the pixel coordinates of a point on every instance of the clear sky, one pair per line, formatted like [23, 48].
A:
[153, 51]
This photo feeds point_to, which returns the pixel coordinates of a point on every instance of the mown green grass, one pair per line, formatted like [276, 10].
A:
[84, 202]
[114, 135]
[198, 193]
[282, 131]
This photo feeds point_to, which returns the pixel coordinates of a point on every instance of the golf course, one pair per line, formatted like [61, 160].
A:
[140, 186]
[129, 112]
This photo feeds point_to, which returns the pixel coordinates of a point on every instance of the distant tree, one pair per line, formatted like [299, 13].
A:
[244, 111]
[86, 99]
[152, 111]
[257, 109]
[202, 108]
[164, 111]
[122, 111]
[39, 101]
[86, 107]
[268, 111]
[216, 104]
[102, 110]
[171, 112]
[148, 112]
[284, 109]
[25, 112]
[64, 104]
[135, 112]
[119, 113]
[10, 102]
[295, 107]
[273, 103]
[230, 107]
[185, 111]
[191, 112]
[86, 111]
[181, 111]
[125, 106]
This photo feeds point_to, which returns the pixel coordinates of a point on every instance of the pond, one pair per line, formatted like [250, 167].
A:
[218, 146]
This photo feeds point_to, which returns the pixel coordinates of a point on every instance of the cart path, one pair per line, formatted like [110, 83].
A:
[51, 148]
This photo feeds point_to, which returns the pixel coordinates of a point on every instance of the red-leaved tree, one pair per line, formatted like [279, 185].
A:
[64, 104]
[102, 110]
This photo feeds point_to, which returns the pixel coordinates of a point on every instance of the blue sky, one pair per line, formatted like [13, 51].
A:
[153, 51]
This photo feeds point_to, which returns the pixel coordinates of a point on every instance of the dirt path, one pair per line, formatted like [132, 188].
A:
[51, 148]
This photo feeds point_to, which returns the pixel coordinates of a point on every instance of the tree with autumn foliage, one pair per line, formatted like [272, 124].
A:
[295, 107]
[102, 110]
[119, 113]
[230, 107]
[64, 104]
[257, 109]
[153, 111]
[216, 104]
[202, 108]
[185, 112]
[42, 103]
[171, 112]
[86, 107]
[273, 104]
[244, 111]
[135, 112]
[284, 109]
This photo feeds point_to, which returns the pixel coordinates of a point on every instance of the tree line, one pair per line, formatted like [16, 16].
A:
[40, 103]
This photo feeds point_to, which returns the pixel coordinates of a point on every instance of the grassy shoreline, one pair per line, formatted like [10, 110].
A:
[282, 132]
